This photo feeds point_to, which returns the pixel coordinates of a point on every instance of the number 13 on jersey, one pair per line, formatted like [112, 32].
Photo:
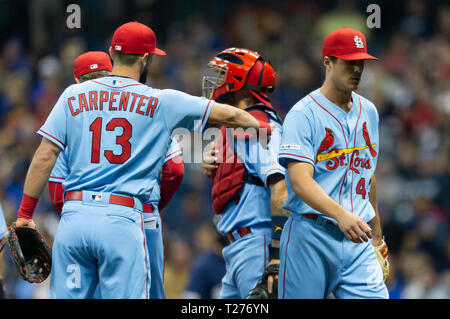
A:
[123, 140]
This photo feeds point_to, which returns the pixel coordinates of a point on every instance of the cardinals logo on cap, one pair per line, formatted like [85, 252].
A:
[358, 42]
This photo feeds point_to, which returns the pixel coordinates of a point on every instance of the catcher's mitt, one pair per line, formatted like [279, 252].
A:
[30, 253]
[381, 252]
[260, 291]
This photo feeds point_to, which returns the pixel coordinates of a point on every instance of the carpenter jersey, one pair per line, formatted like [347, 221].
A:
[118, 131]
[342, 147]
[253, 208]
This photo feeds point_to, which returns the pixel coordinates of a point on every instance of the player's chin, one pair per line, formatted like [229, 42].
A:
[353, 84]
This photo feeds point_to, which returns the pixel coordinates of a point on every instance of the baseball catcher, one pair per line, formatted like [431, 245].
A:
[31, 254]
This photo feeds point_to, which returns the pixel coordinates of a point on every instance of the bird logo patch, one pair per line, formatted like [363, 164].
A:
[326, 143]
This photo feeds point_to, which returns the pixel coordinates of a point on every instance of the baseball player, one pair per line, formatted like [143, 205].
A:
[120, 131]
[93, 65]
[88, 66]
[4, 234]
[248, 184]
[330, 147]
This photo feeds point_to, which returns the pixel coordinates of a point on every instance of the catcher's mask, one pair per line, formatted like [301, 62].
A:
[235, 69]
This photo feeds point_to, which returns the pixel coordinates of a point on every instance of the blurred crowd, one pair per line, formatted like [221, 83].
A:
[410, 86]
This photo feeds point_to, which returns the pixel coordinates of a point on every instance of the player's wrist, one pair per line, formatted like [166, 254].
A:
[274, 253]
[340, 213]
[378, 241]
[27, 207]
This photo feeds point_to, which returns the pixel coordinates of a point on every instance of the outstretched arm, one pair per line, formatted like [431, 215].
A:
[231, 116]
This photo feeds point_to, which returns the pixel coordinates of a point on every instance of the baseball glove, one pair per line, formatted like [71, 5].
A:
[31, 254]
[381, 252]
[260, 291]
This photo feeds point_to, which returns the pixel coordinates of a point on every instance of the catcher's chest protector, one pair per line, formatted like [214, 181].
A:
[229, 176]
[231, 173]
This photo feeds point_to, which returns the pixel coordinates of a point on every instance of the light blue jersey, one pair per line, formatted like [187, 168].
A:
[253, 208]
[126, 129]
[343, 148]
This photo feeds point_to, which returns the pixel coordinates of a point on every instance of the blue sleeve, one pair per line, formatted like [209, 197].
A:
[270, 165]
[297, 139]
[174, 150]
[183, 110]
[60, 170]
[55, 127]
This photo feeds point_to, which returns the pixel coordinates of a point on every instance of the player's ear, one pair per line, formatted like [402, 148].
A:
[327, 62]
[145, 59]
[111, 53]
[77, 80]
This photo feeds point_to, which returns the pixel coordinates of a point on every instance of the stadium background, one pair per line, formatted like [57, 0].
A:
[410, 86]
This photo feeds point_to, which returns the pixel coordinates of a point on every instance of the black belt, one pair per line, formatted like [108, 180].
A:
[251, 179]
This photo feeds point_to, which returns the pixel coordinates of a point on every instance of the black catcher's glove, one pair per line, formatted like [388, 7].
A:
[30, 253]
[260, 291]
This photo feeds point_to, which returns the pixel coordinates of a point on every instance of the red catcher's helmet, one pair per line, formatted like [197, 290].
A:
[238, 69]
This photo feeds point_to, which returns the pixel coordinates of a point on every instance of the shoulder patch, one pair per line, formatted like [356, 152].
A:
[290, 147]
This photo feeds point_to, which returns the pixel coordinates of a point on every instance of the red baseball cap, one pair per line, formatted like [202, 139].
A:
[346, 44]
[135, 38]
[90, 62]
